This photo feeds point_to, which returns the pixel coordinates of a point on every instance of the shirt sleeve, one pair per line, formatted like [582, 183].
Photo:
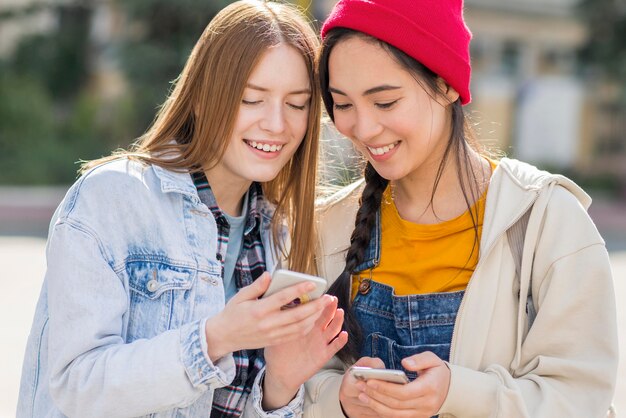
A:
[321, 398]
[254, 407]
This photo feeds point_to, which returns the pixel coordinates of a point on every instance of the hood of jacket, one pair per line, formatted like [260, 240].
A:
[514, 187]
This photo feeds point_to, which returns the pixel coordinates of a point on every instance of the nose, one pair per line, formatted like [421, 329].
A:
[366, 127]
[273, 120]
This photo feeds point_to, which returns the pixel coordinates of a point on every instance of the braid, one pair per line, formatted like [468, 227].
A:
[365, 219]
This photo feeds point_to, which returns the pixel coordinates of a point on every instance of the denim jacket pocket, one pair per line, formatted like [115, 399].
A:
[160, 297]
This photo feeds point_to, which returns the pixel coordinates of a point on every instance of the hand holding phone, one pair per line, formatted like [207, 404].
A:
[282, 279]
[388, 375]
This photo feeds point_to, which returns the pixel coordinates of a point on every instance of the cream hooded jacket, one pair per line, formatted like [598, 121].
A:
[565, 364]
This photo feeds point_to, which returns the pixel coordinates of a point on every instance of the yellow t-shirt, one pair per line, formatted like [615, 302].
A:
[418, 259]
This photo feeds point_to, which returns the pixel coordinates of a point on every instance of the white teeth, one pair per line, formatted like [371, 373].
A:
[382, 150]
[265, 147]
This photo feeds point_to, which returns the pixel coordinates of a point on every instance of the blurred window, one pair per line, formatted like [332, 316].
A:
[510, 58]
[556, 61]
[477, 52]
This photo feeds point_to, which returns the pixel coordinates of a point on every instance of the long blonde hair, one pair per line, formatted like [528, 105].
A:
[192, 129]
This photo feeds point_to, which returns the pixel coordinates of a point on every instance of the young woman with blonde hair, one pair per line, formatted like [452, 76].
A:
[485, 281]
[157, 256]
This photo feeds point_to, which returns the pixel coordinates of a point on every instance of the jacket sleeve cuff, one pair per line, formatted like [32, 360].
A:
[291, 410]
[198, 366]
[470, 390]
[322, 398]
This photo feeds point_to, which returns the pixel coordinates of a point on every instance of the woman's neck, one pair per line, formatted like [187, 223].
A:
[228, 191]
[414, 198]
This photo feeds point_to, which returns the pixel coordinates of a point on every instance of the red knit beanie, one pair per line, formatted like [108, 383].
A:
[431, 31]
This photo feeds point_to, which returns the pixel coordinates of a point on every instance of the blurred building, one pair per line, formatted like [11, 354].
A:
[528, 82]
[528, 95]
[524, 62]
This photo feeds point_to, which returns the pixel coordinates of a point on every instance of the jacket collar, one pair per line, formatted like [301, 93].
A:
[513, 189]
[254, 202]
[176, 182]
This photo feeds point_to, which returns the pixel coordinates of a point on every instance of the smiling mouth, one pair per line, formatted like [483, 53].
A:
[383, 150]
[263, 146]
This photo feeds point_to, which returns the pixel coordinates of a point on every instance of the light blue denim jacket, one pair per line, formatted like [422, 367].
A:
[132, 276]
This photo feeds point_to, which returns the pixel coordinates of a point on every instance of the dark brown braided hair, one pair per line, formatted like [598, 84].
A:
[458, 147]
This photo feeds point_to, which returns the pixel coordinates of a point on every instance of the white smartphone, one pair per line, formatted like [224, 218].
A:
[285, 278]
[366, 373]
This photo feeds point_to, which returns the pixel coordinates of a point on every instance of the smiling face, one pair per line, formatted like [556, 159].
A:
[401, 127]
[271, 120]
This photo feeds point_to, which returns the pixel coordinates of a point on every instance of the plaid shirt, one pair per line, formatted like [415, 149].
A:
[230, 400]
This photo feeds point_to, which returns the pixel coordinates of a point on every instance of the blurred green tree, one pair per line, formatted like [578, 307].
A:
[40, 84]
[50, 114]
[51, 110]
[154, 53]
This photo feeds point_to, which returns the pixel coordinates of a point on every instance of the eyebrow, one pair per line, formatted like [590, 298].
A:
[373, 90]
[259, 88]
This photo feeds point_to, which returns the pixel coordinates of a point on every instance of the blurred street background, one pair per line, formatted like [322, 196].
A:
[80, 78]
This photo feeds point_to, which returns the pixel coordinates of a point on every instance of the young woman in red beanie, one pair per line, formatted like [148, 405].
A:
[485, 281]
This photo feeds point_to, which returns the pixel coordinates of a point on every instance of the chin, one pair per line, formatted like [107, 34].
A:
[264, 177]
[387, 174]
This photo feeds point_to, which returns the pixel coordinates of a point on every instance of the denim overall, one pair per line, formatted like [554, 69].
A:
[395, 327]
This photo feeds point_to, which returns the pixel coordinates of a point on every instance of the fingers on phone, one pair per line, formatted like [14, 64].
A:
[334, 326]
[373, 362]
[337, 343]
[329, 309]
[291, 293]
[295, 329]
[255, 289]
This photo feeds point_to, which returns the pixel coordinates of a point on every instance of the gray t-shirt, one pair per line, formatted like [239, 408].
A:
[235, 243]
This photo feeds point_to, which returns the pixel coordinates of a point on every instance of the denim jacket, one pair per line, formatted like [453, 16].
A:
[132, 276]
